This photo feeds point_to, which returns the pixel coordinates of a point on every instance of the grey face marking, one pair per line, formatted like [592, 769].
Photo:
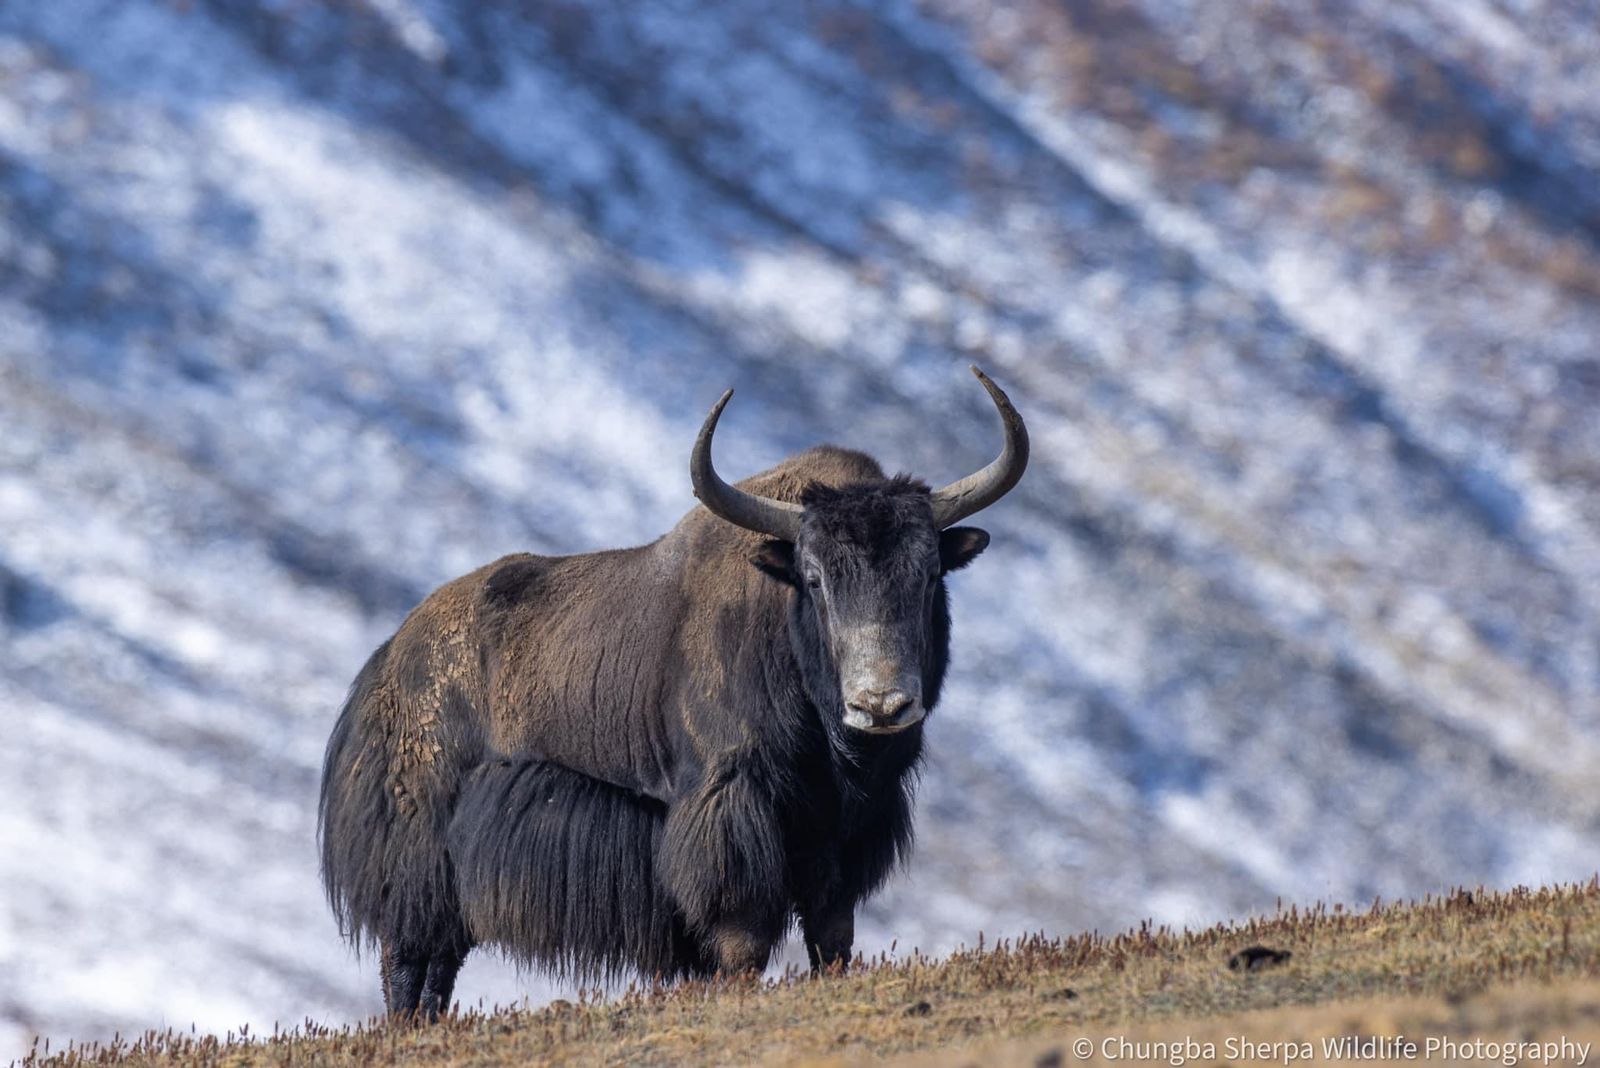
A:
[876, 614]
[879, 679]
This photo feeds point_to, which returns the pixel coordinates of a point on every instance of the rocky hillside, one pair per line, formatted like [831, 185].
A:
[305, 308]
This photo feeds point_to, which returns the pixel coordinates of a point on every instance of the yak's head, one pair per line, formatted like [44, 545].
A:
[867, 562]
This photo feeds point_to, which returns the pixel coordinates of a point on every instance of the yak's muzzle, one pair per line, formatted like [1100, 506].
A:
[882, 711]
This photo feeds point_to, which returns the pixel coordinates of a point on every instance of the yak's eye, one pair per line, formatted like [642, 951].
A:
[814, 580]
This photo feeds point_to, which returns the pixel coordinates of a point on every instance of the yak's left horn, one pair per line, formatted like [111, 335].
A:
[777, 519]
[981, 489]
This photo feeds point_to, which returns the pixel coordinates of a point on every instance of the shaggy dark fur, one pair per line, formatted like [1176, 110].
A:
[364, 811]
[636, 760]
[560, 869]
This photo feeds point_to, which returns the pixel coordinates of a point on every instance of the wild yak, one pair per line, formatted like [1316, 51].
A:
[655, 759]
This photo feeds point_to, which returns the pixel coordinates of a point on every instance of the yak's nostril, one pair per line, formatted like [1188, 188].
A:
[894, 703]
[881, 705]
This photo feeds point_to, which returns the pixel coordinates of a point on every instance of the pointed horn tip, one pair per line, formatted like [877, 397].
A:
[995, 391]
[776, 519]
[977, 491]
[713, 416]
[988, 383]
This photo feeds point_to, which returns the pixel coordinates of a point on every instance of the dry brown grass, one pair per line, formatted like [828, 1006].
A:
[1389, 1030]
[1518, 965]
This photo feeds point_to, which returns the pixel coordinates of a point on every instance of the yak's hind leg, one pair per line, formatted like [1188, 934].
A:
[404, 972]
[723, 861]
[418, 984]
[439, 985]
[382, 826]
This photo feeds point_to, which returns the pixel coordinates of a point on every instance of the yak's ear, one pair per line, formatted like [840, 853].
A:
[959, 546]
[776, 558]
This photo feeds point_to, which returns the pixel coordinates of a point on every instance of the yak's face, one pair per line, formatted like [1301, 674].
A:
[868, 623]
[867, 569]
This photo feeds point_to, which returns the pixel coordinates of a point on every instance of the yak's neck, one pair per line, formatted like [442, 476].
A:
[874, 781]
[870, 763]
[808, 747]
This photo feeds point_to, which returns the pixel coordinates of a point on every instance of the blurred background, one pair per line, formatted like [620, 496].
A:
[306, 307]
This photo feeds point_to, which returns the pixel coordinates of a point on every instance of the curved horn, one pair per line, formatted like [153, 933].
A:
[777, 519]
[981, 489]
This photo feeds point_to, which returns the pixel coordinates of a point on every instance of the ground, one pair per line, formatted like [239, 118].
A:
[1515, 967]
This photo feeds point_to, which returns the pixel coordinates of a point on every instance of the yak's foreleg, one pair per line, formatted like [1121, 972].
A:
[722, 860]
[830, 934]
[827, 913]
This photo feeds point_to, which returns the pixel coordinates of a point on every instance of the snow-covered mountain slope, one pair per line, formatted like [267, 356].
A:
[307, 308]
